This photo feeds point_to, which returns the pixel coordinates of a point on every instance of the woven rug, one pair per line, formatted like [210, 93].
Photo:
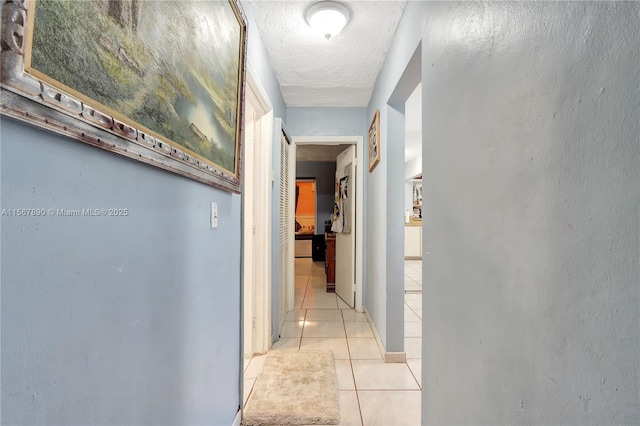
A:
[295, 388]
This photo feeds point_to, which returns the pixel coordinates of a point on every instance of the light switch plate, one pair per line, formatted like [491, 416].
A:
[214, 215]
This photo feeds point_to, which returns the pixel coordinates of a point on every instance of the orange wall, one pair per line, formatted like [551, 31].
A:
[307, 198]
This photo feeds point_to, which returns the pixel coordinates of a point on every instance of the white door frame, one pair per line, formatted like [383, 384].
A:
[338, 140]
[257, 278]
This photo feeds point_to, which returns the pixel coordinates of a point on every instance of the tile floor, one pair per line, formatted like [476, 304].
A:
[371, 391]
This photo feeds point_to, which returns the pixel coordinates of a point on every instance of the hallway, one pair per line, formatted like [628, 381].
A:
[371, 391]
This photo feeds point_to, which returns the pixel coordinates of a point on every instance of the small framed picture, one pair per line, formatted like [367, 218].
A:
[374, 141]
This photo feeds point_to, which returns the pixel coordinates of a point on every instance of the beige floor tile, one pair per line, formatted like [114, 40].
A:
[317, 292]
[344, 375]
[338, 345]
[414, 304]
[418, 313]
[378, 375]
[322, 295]
[324, 315]
[301, 280]
[255, 366]
[411, 286]
[413, 329]
[415, 365]
[291, 329]
[342, 304]
[316, 302]
[286, 344]
[410, 316]
[364, 348]
[323, 329]
[295, 315]
[318, 281]
[413, 296]
[318, 264]
[351, 315]
[413, 347]
[358, 329]
[390, 408]
[349, 409]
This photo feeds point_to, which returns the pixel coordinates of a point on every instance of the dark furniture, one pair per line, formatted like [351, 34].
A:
[330, 261]
[318, 248]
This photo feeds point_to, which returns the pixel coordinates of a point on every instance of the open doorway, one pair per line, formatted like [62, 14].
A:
[413, 192]
[324, 212]
[305, 216]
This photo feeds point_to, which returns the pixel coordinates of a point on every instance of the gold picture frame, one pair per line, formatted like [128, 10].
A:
[158, 82]
[374, 141]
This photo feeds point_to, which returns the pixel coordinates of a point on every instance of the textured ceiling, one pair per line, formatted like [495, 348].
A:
[319, 152]
[314, 72]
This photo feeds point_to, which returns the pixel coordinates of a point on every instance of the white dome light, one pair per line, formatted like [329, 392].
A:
[327, 18]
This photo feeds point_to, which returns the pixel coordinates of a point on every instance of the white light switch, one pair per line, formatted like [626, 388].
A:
[214, 215]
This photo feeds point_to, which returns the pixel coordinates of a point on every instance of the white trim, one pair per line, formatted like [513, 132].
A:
[262, 167]
[262, 97]
[267, 201]
[238, 419]
[340, 140]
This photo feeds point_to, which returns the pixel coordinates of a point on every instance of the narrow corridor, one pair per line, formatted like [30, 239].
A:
[371, 391]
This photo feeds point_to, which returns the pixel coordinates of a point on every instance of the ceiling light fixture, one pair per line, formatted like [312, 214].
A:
[327, 18]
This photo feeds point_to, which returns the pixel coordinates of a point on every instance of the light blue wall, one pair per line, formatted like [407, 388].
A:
[127, 320]
[385, 202]
[326, 121]
[530, 273]
[395, 231]
[530, 293]
[325, 174]
[257, 57]
[115, 320]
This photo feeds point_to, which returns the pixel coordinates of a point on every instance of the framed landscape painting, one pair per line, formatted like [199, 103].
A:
[374, 141]
[158, 81]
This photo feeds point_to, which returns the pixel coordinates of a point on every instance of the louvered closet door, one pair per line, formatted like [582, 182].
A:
[285, 255]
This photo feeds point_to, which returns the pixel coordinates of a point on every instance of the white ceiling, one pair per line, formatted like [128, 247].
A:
[315, 72]
[319, 152]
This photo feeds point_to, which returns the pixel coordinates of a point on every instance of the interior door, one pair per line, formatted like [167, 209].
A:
[346, 240]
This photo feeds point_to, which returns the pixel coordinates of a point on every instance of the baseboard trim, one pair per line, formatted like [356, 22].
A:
[389, 357]
[395, 357]
[238, 419]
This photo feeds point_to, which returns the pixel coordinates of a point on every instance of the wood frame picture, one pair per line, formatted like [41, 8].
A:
[374, 141]
[161, 82]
